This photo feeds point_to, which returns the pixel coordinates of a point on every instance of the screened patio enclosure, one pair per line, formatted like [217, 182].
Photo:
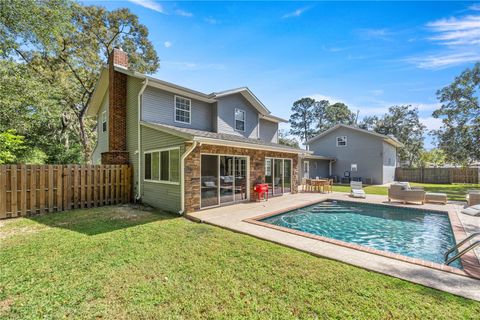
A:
[278, 175]
[224, 179]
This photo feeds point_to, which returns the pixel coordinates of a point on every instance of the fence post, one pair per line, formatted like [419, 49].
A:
[3, 192]
[23, 189]
[50, 188]
[59, 188]
[13, 191]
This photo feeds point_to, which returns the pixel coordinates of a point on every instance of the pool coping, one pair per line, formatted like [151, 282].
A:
[471, 265]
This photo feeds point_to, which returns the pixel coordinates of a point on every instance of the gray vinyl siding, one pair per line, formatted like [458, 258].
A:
[389, 162]
[318, 168]
[269, 131]
[133, 88]
[226, 116]
[160, 195]
[159, 106]
[102, 137]
[363, 149]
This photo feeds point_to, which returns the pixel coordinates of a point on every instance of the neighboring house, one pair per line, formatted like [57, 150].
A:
[189, 150]
[362, 153]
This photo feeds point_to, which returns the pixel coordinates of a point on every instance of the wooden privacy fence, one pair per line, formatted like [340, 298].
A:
[30, 189]
[438, 175]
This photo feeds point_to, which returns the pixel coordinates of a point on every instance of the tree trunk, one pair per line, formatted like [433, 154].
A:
[83, 136]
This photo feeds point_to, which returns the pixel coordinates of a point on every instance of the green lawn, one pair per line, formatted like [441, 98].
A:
[121, 262]
[453, 191]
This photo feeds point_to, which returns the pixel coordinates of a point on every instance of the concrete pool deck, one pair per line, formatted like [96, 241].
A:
[240, 218]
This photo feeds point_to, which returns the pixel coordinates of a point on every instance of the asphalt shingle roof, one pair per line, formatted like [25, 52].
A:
[224, 136]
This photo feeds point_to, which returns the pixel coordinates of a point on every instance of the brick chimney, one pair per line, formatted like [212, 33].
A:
[117, 110]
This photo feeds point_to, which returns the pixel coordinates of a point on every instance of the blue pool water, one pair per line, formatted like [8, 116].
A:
[410, 232]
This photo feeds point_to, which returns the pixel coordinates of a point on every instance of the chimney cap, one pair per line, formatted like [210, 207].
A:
[118, 48]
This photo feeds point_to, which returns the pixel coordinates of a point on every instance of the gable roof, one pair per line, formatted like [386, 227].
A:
[215, 138]
[389, 139]
[102, 86]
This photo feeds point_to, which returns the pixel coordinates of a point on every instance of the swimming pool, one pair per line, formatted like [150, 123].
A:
[415, 233]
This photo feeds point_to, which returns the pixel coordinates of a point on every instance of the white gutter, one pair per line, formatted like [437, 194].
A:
[139, 141]
[182, 175]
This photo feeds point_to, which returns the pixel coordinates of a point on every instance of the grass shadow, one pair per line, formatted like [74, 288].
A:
[100, 220]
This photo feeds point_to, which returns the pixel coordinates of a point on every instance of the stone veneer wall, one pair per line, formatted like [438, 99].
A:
[257, 169]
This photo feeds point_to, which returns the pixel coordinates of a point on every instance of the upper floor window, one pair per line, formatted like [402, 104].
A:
[342, 141]
[104, 121]
[182, 110]
[163, 165]
[239, 120]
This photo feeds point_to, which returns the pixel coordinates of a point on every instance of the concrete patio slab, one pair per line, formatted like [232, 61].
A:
[233, 218]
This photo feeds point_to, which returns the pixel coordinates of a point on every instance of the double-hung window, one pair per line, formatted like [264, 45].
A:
[104, 121]
[163, 165]
[342, 141]
[239, 120]
[183, 110]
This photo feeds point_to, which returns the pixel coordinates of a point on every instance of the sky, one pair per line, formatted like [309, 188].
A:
[369, 55]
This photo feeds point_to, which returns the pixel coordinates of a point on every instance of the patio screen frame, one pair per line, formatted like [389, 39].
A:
[247, 179]
[272, 159]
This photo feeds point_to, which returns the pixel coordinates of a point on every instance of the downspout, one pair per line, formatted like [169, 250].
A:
[139, 141]
[182, 175]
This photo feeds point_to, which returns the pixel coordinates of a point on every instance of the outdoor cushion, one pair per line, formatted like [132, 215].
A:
[209, 184]
[472, 211]
[358, 193]
[436, 196]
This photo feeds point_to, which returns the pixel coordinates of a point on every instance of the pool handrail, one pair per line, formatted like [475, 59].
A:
[461, 253]
[470, 237]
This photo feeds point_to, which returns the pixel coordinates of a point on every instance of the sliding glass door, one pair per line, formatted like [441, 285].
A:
[209, 181]
[223, 179]
[278, 175]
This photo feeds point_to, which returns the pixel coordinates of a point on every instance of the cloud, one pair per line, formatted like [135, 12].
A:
[183, 13]
[192, 66]
[377, 107]
[377, 92]
[431, 123]
[444, 60]
[459, 41]
[456, 31]
[296, 13]
[210, 20]
[167, 44]
[149, 4]
[374, 34]
[474, 7]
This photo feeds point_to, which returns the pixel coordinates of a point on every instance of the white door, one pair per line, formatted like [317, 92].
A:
[306, 169]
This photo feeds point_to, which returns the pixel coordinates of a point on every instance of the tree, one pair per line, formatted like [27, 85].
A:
[403, 123]
[302, 120]
[66, 45]
[285, 139]
[459, 136]
[338, 113]
[12, 147]
[434, 157]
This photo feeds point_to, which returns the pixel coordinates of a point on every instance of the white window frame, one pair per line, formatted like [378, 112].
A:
[244, 120]
[353, 166]
[344, 138]
[189, 110]
[104, 120]
[160, 163]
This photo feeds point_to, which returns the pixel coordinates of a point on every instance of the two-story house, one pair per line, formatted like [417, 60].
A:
[350, 151]
[189, 150]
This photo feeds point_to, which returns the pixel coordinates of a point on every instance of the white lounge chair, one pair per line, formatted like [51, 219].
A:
[357, 191]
